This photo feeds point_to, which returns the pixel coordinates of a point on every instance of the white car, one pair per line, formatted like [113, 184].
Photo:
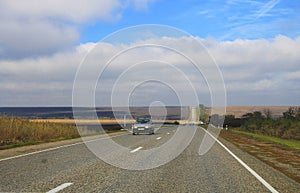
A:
[143, 125]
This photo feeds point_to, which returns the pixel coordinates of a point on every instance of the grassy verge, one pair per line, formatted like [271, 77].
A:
[289, 143]
[16, 132]
[14, 145]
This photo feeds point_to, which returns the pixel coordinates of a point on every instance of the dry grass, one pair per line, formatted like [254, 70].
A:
[16, 132]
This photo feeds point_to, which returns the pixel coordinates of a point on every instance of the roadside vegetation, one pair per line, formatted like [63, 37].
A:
[16, 132]
[203, 116]
[295, 144]
[285, 127]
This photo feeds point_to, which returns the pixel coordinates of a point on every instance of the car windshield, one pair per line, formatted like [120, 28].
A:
[143, 120]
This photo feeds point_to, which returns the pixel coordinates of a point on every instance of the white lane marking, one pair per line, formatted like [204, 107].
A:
[258, 177]
[168, 133]
[55, 148]
[59, 188]
[135, 150]
[158, 138]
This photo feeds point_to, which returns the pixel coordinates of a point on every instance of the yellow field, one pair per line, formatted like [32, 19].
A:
[86, 121]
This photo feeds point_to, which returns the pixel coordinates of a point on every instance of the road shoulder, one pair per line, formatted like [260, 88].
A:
[43, 146]
[275, 177]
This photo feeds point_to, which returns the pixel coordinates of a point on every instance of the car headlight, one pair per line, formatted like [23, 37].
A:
[147, 127]
[135, 127]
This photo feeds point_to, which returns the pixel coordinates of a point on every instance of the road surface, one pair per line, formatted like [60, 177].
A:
[76, 169]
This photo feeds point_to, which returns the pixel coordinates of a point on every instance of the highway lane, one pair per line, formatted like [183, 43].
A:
[216, 171]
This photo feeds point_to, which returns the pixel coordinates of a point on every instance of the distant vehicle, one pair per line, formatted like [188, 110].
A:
[143, 126]
[197, 123]
[193, 123]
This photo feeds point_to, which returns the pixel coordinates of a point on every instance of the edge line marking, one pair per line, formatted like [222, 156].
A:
[257, 176]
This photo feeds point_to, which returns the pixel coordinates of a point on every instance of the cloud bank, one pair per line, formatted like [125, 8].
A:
[32, 28]
[256, 72]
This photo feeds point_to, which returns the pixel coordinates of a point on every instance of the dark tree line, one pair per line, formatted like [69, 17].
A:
[287, 126]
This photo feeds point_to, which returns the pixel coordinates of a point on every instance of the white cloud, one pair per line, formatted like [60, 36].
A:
[251, 68]
[140, 5]
[264, 85]
[22, 39]
[293, 75]
[279, 53]
[33, 27]
[77, 11]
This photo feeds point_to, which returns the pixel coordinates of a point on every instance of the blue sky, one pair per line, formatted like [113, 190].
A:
[223, 20]
[256, 44]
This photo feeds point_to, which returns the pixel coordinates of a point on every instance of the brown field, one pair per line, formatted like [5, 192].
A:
[238, 111]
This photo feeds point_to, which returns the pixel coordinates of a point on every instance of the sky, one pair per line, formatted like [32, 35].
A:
[254, 43]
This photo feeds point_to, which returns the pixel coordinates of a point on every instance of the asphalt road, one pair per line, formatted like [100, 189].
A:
[76, 169]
